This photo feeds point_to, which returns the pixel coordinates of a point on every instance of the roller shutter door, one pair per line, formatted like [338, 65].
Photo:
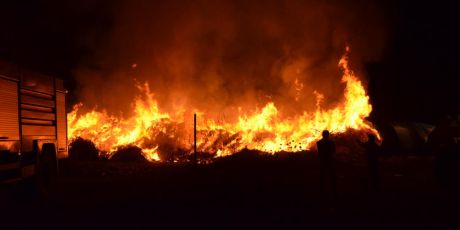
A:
[9, 117]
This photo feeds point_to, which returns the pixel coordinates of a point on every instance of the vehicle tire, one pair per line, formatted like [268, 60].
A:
[47, 168]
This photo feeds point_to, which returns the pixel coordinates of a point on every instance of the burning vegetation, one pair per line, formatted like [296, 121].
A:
[163, 135]
[267, 77]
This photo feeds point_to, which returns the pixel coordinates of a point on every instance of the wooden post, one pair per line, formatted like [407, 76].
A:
[194, 138]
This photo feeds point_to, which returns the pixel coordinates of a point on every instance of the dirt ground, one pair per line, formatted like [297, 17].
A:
[234, 193]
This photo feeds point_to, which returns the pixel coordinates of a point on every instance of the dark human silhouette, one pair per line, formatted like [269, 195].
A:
[326, 151]
[372, 154]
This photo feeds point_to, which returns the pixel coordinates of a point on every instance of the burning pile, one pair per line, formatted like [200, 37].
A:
[160, 133]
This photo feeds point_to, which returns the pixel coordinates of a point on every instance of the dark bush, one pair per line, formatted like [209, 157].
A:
[128, 154]
[244, 156]
[82, 149]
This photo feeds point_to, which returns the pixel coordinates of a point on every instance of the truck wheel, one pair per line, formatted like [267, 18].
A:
[47, 169]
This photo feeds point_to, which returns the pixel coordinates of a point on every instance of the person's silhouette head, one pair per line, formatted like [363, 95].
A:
[326, 134]
[370, 137]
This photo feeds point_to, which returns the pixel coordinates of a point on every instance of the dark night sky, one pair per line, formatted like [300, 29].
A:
[416, 79]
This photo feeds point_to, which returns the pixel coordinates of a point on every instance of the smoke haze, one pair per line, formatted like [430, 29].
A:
[217, 56]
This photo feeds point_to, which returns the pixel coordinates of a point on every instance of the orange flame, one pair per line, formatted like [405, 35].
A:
[155, 131]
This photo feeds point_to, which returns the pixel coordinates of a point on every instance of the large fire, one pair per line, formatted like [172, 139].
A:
[157, 132]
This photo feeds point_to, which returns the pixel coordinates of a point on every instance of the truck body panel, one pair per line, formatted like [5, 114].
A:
[32, 113]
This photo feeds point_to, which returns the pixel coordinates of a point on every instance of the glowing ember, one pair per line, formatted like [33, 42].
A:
[158, 133]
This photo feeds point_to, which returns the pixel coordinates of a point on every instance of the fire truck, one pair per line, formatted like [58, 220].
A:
[33, 124]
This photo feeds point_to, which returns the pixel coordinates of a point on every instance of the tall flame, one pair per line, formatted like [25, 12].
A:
[155, 131]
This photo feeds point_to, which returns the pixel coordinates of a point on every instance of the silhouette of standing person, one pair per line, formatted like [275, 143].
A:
[372, 155]
[326, 151]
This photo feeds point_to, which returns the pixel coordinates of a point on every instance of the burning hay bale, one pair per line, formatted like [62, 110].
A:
[128, 153]
[167, 147]
[83, 150]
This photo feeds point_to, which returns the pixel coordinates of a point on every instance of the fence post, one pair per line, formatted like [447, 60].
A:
[194, 138]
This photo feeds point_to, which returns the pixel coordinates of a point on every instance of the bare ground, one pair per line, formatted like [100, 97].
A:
[235, 193]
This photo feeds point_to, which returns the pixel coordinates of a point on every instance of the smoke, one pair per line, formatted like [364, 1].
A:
[218, 56]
